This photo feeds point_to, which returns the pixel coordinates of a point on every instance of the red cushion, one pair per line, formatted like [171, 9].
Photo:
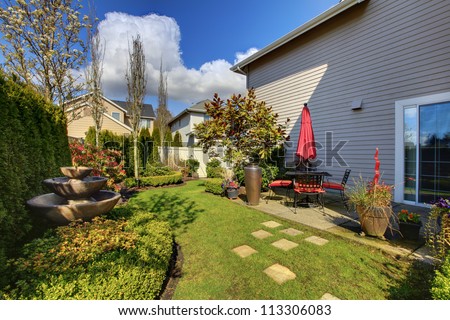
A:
[280, 183]
[309, 190]
[333, 185]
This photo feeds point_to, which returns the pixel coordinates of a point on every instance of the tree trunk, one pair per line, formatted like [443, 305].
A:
[136, 160]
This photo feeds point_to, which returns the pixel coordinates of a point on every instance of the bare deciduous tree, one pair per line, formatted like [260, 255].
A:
[93, 76]
[136, 84]
[42, 45]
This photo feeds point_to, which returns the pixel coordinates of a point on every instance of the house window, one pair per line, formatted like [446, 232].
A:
[145, 123]
[206, 117]
[116, 115]
[424, 170]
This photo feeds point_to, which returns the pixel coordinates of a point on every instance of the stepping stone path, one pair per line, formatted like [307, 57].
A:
[284, 244]
[329, 296]
[261, 234]
[292, 232]
[244, 251]
[271, 224]
[317, 240]
[277, 272]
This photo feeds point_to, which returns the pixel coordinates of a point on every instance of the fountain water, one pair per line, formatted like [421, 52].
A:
[75, 196]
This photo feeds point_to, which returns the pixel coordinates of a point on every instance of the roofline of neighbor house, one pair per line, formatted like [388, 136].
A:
[185, 111]
[330, 13]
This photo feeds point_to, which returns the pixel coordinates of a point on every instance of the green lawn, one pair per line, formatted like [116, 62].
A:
[208, 227]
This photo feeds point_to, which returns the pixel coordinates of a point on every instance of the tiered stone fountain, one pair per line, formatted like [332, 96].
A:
[75, 196]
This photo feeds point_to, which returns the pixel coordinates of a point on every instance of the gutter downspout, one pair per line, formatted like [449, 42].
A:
[239, 70]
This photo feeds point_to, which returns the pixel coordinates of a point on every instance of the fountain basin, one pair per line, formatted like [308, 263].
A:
[58, 210]
[76, 172]
[73, 189]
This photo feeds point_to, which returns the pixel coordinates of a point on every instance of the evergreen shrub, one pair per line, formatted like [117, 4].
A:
[214, 186]
[33, 146]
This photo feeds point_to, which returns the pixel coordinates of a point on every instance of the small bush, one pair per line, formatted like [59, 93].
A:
[440, 289]
[214, 185]
[157, 169]
[155, 181]
[192, 165]
[102, 259]
[214, 169]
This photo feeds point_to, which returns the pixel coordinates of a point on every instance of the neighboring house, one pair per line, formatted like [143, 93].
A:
[375, 73]
[184, 122]
[115, 118]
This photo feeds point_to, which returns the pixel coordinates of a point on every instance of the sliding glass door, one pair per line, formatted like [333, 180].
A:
[426, 136]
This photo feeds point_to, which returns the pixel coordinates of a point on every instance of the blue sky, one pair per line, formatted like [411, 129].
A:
[198, 40]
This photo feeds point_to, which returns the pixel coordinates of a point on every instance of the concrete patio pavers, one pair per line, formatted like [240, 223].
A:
[279, 273]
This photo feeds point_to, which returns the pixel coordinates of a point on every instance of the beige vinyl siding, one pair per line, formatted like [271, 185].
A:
[379, 51]
[110, 108]
[78, 128]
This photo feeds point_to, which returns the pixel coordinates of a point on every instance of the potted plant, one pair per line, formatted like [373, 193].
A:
[231, 188]
[437, 228]
[409, 224]
[372, 201]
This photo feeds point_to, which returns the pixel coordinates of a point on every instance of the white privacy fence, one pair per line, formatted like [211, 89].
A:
[173, 156]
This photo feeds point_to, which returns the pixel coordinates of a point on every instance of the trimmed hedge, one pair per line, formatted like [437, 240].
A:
[155, 181]
[214, 185]
[103, 259]
[440, 289]
[33, 146]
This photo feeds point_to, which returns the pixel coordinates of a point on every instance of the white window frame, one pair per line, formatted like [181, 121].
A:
[399, 140]
[117, 113]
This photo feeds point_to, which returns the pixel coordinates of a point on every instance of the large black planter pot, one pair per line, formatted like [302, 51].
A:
[409, 231]
[253, 181]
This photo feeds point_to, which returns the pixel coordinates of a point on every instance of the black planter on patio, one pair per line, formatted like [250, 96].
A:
[232, 193]
[410, 231]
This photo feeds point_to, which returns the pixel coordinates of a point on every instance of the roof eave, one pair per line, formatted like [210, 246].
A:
[330, 13]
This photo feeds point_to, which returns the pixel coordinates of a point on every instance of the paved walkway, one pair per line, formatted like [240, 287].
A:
[335, 219]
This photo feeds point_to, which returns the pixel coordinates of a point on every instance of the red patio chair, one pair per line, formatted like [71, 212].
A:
[278, 184]
[339, 186]
[309, 185]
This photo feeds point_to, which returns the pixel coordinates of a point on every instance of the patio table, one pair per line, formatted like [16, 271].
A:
[301, 175]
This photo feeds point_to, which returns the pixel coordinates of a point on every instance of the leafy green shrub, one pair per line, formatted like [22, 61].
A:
[107, 139]
[214, 185]
[440, 289]
[33, 145]
[214, 169]
[102, 259]
[157, 169]
[155, 181]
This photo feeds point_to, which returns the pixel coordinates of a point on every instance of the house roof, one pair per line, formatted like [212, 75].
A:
[147, 111]
[198, 107]
[330, 13]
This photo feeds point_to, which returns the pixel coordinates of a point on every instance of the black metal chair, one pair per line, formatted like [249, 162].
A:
[310, 185]
[339, 186]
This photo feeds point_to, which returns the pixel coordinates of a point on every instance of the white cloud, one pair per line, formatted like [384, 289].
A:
[161, 38]
[243, 55]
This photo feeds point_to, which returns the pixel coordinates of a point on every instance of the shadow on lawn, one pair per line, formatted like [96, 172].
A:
[176, 210]
[416, 285]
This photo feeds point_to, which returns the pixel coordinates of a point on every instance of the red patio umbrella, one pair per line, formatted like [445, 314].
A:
[306, 147]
